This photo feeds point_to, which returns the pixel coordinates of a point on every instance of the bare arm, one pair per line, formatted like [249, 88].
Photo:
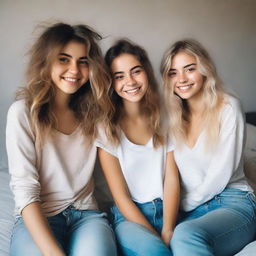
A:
[171, 198]
[40, 231]
[118, 187]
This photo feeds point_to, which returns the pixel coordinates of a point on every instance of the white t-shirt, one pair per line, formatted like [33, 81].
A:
[143, 166]
[205, 174]
[58, 175]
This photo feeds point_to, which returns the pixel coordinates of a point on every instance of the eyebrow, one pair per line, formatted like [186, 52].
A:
[121, 72]
[184, 66]
[67, 55]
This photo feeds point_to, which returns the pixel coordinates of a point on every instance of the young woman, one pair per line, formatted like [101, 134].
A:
[50, 134]
[137, 162]
[207, 126]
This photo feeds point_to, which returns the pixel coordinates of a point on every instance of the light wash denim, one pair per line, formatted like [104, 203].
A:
[136, 240]
[78, 233]
[222, 226]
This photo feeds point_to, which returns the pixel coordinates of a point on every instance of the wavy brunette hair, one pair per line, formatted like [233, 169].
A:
[150, 103]
[213, 93]
[89, 103]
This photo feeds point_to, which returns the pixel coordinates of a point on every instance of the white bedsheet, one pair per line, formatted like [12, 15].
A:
[6, 213]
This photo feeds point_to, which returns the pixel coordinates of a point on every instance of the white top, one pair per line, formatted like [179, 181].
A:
[143, 166]
[58, 175]
[206, 174]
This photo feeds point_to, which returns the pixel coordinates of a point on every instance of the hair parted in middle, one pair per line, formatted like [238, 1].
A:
[213, 92]
[150, 103]
[89, 103]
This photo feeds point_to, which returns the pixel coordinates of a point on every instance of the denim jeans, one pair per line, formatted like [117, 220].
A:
[134, 239]
[77, 232]
[221, 226]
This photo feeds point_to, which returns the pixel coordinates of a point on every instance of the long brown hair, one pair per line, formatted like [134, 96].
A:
[150, 104]
[89, 103]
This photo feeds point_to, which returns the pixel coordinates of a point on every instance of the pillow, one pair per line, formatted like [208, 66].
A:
[250, 155]
[251, 138]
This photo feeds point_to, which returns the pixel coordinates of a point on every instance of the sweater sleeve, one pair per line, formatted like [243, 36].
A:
[225, 160]
[20, 144]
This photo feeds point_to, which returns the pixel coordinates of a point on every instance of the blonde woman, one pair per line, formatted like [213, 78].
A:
[136, 158]
[207, 126]
[49, 136]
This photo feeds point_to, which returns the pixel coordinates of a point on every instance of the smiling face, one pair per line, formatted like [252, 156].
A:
[185, 78]
[130, 79]
[70, 69]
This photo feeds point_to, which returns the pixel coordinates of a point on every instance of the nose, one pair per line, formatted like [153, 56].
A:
[73, 68]
[130, 80]
[182, 78]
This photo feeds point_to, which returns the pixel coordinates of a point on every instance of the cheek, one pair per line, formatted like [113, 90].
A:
[200, 80]
[171, 85]
[85, 72]
[55, 71]
[116, 86]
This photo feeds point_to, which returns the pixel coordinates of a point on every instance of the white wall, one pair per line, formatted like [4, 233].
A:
[225, 27]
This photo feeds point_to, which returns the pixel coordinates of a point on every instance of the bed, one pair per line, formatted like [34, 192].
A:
[103, 195]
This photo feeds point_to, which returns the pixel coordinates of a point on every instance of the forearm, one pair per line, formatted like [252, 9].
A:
[40, 231]
[171, 206]
[171, 199]
[132, 213]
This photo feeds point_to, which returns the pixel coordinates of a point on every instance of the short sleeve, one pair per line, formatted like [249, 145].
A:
[103, 142]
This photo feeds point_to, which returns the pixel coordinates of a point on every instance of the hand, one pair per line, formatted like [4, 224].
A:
[166, 236]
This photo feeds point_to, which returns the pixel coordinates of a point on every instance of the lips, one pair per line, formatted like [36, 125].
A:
[71, 79]
[133, 90]
[185, 87]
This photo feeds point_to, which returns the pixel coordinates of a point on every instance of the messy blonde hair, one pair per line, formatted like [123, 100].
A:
[213, 93]
[150, 103]
[89, 103]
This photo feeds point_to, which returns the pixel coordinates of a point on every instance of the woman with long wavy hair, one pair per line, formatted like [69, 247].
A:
[218, 206]
[50, 143]
[135, 157]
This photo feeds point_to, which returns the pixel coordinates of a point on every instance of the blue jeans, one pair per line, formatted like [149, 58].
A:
[221, 226]
[77, 232]
[134, 239]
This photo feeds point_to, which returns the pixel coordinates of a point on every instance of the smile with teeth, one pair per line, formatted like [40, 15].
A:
[70, 79]
[185, 87]
[133, 90]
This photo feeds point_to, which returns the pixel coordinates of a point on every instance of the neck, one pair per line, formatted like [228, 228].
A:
[196, 105]
[132, 109]
[61, 101]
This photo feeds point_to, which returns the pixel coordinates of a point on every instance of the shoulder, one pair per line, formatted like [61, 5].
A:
[18, 109]
[18, 115]
[231, 112]
[231, 105]
[102, 141]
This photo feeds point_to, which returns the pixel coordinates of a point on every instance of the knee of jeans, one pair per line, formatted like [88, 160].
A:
[188, 232]
[24, 249]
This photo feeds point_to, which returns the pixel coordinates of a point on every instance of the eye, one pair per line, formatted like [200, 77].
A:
[171, 73]
[137, 71]
[63, 60]
[191, 69]
[118, 77]
[84, 62]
